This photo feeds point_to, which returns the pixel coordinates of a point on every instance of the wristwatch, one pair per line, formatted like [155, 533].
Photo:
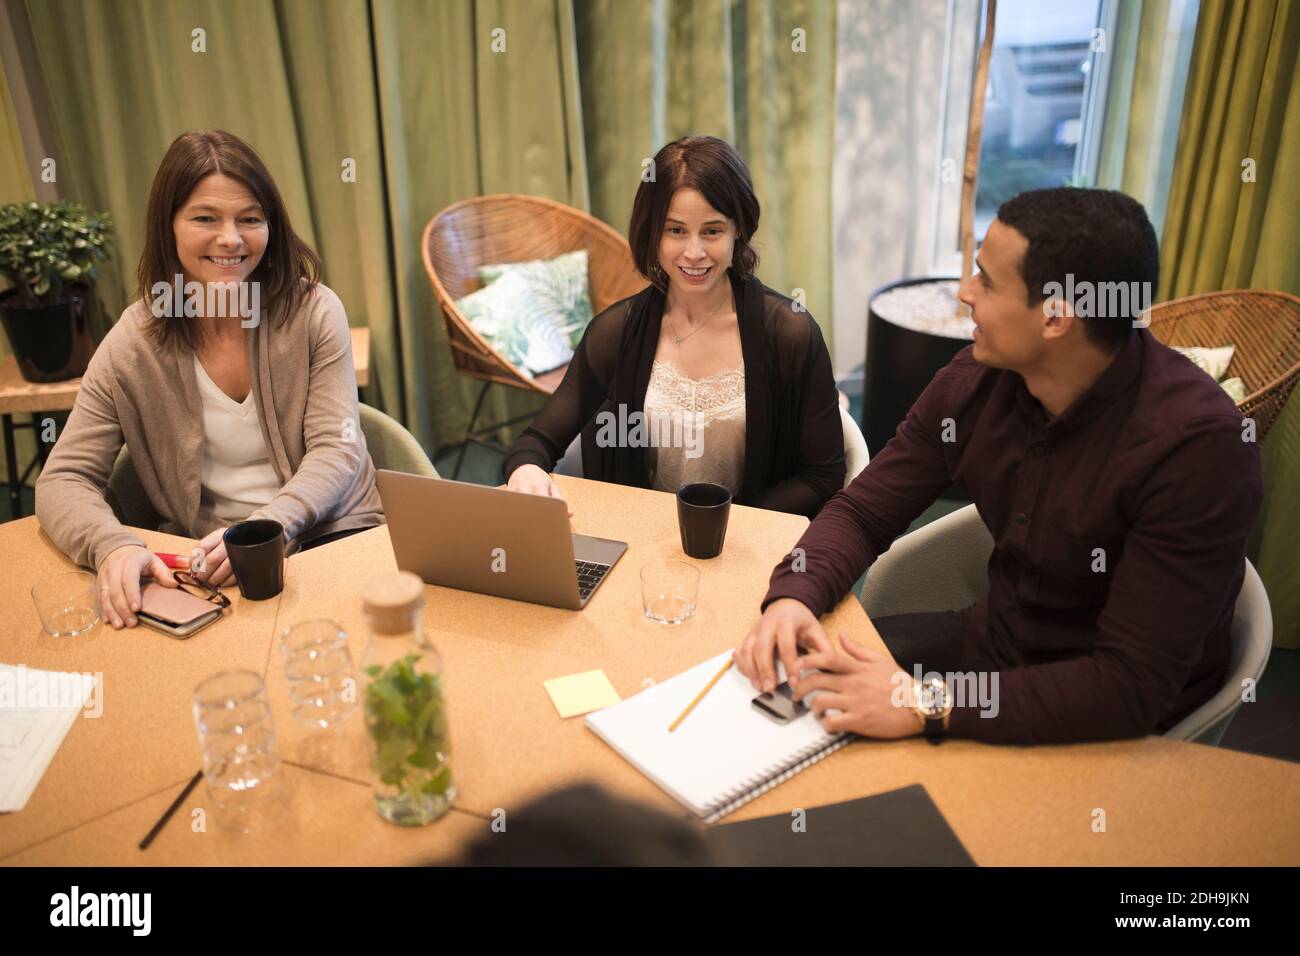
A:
[933, 707]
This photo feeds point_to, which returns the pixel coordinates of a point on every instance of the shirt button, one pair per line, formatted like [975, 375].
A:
[1035, 449]
[1022, 518]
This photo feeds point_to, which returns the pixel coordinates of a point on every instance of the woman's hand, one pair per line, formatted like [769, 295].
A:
[212, 565]
[531, 480]
[119, 582]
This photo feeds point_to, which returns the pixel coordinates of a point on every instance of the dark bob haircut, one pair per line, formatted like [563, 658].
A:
[1098, 236]
[289, 268]
[713, 168]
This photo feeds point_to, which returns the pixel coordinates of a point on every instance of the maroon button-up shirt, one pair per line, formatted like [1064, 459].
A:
[1119, 534]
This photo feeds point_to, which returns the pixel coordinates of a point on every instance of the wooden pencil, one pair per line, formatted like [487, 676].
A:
[700, 696]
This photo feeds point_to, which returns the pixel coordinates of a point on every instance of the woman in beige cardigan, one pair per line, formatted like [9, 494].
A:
[230, 381]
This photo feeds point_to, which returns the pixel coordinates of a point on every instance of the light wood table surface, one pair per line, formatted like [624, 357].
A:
[324, 821]
[115, 774]
[144, 738]
[1166, 802]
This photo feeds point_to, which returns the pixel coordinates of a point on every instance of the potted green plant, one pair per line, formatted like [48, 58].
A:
[49, 252]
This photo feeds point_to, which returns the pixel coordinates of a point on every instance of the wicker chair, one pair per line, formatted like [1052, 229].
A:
[514, 228]
[1265, 328]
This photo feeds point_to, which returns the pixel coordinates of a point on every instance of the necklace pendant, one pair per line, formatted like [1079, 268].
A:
[678, 338]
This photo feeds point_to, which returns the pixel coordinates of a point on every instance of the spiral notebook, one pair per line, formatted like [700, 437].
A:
[724, 754]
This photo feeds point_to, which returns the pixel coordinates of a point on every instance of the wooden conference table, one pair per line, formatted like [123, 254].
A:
[1166, 802]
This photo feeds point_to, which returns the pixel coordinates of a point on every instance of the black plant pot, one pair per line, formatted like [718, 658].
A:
[899, 365]
[52, 343]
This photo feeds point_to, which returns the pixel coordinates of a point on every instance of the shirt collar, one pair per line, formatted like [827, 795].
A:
[1114, 381]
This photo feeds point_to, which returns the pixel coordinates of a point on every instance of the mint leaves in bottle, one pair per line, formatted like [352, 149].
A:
[405, 714]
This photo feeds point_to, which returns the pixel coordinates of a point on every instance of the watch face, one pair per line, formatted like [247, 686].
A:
[934, 698]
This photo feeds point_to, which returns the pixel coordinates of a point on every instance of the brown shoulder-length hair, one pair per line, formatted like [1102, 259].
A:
[714, 168]
[289, 268]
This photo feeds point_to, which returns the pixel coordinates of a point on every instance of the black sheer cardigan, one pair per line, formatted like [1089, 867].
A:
[794, 442]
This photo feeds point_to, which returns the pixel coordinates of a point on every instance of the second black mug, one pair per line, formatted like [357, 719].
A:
[702, 512]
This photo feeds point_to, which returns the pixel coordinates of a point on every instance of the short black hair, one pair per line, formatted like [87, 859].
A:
[714, 168]
[1098, 236]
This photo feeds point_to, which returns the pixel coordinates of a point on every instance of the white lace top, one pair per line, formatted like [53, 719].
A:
[695, 428]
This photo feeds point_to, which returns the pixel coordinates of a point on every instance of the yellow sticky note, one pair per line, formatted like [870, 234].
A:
[581, 693]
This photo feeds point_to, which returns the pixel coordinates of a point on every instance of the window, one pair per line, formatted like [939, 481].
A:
[1043, 110]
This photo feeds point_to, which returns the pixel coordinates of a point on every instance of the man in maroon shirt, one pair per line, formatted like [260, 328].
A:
[1119, 483]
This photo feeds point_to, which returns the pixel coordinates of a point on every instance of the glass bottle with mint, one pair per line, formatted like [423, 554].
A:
[405, 714]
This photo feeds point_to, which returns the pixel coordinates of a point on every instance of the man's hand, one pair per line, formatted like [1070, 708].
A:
[786, 626]
[873, 695]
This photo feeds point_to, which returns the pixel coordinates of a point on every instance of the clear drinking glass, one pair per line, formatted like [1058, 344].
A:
[322, 683]
[241, 760]
[67, 603]
[669, 590]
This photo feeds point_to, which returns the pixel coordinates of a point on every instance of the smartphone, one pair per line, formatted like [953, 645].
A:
[779, 704]
[178, 631]
[174, 612]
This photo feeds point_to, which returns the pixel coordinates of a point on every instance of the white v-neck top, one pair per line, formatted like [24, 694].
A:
[237, 474]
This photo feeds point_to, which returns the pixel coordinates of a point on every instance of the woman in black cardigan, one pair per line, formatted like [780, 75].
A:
[656, 384]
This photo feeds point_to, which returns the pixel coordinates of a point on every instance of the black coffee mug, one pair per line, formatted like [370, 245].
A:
[702, 512]
[256, 553]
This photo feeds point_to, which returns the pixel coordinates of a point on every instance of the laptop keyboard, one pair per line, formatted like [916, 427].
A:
[589, 575]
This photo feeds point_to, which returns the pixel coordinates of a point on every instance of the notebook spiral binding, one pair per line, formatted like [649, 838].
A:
[772, 776]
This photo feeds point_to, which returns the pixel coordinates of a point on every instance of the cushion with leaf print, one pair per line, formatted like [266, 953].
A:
[1214, 362]
[517, 323]
[559, 285]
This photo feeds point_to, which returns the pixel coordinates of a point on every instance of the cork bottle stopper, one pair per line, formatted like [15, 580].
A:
[391, 602]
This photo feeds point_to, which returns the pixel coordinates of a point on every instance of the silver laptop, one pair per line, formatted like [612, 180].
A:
[492, 541]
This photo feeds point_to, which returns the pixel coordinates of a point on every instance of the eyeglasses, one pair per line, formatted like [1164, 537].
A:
[201, 589]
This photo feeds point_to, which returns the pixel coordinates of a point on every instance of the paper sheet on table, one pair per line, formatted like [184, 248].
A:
[37, 709]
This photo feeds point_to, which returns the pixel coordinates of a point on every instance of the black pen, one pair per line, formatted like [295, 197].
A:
[162, 822]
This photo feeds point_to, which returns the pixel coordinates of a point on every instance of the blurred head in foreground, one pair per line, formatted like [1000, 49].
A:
[584, 825]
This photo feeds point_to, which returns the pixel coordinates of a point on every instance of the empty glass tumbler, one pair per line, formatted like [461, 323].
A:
[67, 603]
[669, 591]
[318, 667]
[241, 759]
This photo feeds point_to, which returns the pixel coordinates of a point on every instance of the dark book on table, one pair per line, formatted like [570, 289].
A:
[899, 828]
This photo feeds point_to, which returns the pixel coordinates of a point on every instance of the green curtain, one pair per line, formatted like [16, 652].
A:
[1232, 222]
[15, 181]
[15, 186]
[1273, 548]
[757, 73]
[1234, 201]
[1151, 46]
[459, 120]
